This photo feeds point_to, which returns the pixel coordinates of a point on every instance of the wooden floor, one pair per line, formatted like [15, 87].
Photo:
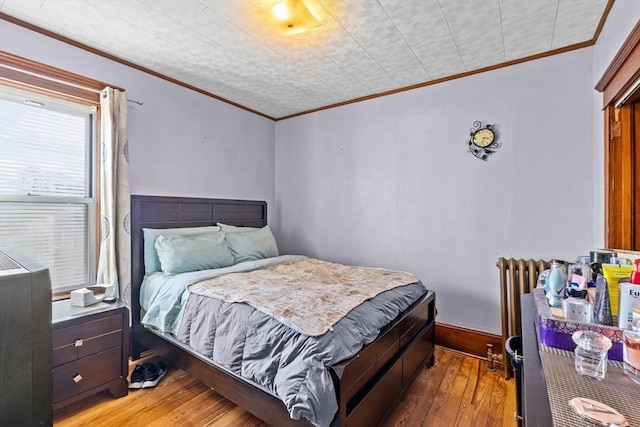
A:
[457, 391]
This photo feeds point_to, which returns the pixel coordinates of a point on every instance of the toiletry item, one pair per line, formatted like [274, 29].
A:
[556, 284]
[602, 310]
[635, 315]
[542, 280]
[613, 274]
[596, 268]
[631, 354]
[635, 275]
[583, 259]
[591, 290]
[582, 268]
[619, 260]
[576, 293]
[577, 281]
[601, 256]
[628, 295]
[579, 309]
[591, 353]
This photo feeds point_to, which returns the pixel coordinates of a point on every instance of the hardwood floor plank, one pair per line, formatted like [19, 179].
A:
[415, 403]
[496, 403]
[494, 416]
[205, 409]
[455, 398]
[466, 406]
[509, 396]
[434, 415]
[457, 391]
[481, 400]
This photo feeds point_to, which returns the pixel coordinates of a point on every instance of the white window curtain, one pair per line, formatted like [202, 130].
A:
[114, 267]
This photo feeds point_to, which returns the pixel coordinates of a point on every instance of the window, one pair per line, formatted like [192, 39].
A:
[47, 205]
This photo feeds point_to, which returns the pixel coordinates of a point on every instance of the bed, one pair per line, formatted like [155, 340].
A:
[367, 384]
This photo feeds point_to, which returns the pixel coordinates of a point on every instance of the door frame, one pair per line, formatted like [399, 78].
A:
[621, 150]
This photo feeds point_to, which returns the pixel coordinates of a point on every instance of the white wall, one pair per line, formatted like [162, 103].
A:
[389, 181]
[622, 18]
[181, 143]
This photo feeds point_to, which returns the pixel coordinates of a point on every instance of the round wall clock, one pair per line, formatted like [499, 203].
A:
[483, 140]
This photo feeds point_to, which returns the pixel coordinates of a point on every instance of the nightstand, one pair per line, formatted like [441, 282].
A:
[90, 351]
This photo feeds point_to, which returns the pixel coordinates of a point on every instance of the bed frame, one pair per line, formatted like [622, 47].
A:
[368, 385]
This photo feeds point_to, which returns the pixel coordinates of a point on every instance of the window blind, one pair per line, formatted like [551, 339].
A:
[46, 187]
[54, 234]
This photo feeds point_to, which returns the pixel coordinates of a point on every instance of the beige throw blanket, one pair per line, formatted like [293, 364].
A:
[307, 295]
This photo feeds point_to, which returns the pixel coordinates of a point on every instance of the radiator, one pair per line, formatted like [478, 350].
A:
[517, 277]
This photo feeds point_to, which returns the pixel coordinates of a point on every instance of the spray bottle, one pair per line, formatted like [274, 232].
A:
[635, 275]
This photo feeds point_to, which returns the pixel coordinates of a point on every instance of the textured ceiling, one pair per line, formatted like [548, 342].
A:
[363, 47]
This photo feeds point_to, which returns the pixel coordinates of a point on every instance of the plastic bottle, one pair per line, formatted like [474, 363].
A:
[635, 275]
[556, 284]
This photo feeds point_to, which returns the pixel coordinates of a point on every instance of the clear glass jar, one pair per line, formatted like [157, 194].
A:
[591, 353]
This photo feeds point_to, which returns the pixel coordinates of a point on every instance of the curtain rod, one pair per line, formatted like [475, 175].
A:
[135, 102]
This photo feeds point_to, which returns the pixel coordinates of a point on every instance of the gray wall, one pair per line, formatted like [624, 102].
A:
[181, 143]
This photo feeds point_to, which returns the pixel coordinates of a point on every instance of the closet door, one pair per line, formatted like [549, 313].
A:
[622, 179]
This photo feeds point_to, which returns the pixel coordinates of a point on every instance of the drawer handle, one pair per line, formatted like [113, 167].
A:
[77, 378]
[78, 343]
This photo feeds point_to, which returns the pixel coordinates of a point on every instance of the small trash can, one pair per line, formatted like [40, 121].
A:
[514, 352]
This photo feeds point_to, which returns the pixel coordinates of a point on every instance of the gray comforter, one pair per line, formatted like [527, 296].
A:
[281, 361]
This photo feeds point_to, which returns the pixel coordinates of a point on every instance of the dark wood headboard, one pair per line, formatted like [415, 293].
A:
[174, 212]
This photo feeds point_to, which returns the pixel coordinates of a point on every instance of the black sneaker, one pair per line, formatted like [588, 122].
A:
[153, 374]
[137, 376]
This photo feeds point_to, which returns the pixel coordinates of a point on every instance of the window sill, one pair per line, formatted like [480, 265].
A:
[61, 296]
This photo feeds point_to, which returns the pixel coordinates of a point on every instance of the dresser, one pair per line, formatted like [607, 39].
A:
[550, 381]
[90, 351]
[536, 411]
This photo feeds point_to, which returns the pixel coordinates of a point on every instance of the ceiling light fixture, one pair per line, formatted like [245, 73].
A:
[290, 17]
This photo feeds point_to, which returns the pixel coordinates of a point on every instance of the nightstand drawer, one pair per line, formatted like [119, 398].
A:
[76, 377]
[90, 351]
[85, 339]
[86, 347]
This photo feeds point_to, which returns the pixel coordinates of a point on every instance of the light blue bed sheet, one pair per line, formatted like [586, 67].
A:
[151, 284]
[163, 296]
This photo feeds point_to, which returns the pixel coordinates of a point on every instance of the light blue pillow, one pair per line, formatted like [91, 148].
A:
[151, 260]
[179, 254]
[228, 229]
[249, 244]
